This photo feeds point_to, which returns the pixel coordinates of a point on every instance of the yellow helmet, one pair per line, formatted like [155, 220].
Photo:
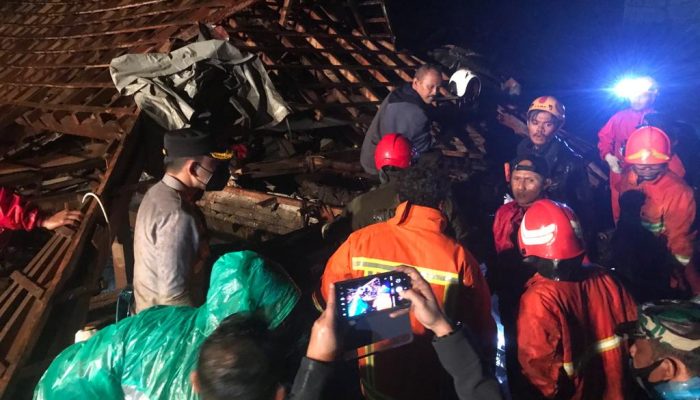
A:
[551, 105]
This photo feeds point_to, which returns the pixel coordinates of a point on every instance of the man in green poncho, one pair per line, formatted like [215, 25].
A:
[150, 355]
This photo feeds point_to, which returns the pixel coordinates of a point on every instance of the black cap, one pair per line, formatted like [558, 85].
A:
[190, 142]
[536, 164]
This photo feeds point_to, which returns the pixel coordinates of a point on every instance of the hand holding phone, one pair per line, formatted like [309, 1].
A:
[424, 305]
[323, 344]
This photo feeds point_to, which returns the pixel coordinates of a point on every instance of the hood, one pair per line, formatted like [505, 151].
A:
[243, 282]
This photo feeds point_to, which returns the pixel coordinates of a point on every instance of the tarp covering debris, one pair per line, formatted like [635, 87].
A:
[184, 86]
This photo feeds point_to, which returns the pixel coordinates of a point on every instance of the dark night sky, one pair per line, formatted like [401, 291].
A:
[571, 49]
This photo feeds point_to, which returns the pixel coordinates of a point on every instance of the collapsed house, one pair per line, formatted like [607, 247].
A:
[67, 131]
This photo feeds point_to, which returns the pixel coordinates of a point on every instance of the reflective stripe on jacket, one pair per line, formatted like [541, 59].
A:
[414, 237]
[668, 211]
[566, 335]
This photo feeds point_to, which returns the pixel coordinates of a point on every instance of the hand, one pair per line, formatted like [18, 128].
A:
[62, 218]
[423, 303]
[614, 163]
[323, 345]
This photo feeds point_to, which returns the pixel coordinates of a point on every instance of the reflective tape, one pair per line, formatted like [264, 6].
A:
[375, 266]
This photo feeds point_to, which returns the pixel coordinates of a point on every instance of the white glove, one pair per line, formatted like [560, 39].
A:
[614, 163]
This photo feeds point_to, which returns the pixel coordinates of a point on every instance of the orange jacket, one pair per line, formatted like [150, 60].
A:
[669, 210]
[566, 335]
[613, 136]
[414, 237]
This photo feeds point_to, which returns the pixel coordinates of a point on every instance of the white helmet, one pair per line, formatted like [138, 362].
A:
[465, 84]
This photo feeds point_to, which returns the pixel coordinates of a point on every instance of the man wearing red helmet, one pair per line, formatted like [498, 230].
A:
[669, 208]
[567, 346]
[613, 136]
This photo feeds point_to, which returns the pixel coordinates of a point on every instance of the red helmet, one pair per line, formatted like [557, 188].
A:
[393, 150]
[550, 230]
[648, 145]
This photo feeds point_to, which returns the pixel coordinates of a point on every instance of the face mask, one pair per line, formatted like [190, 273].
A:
[641, 376]
[217, 179]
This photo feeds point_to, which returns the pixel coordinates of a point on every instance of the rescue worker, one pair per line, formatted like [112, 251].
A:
[16, 213]
[414, 237]
[568, 314]
[406, 110]
[567, 170]
[392, 156]
[529, 178]
[170, 245]
[669, 208]
[665, 349]
[613, 136]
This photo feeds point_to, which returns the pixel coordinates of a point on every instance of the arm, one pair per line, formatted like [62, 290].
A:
[539, 335]
[456, 353]
[678, 218]
[177, 244]
[474, 306]
[316, 367]
[460, 360]
[16, 213]
[606, 137]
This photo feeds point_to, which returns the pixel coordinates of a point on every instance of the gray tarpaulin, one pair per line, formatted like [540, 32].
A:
[204, 80]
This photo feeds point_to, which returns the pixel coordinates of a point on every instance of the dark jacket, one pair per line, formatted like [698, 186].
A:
[456, 355]
[404, 112]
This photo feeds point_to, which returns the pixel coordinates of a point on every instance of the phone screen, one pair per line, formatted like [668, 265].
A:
[358, 297]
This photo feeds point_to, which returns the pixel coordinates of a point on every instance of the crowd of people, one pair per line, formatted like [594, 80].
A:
[627, 327]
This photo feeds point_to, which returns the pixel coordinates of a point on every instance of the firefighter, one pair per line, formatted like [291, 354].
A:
[567, 170]
[529, 177]
[16, 213]
[567, 346]
[414, 237]
[669, 207]
[613, 136]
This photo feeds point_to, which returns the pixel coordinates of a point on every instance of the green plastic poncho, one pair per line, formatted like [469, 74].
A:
[150, 355]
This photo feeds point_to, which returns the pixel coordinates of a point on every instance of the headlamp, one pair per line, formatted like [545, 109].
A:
[629, 88]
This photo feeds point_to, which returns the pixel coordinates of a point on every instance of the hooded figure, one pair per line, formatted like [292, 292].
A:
[150, 355]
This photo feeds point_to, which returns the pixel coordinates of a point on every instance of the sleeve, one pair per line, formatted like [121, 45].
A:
[461, 361]
[606, 138]
[539, 335]
[678, 218]
[310, 380]
[338, 268]
[16, 213]
[417, 128]
[177, 251]
[502, 230]
[475, 304]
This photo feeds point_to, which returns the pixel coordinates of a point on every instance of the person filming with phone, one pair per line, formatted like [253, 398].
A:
[414, 237]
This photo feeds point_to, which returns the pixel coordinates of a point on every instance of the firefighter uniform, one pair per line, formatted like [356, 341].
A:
[414, 237]
[612, 138]
[566, 335]
[668, 211]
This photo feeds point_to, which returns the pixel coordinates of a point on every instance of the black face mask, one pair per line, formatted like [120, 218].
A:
[641, 376]
[218, 179]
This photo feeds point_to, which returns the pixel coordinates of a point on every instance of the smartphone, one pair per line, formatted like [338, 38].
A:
[365, 306]
[370, 294]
